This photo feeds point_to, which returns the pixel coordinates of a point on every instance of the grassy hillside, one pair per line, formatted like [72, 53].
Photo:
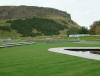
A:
[36, 26]
[23, 12]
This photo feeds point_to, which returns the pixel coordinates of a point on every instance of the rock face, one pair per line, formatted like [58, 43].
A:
[11, 12]
[24, 12]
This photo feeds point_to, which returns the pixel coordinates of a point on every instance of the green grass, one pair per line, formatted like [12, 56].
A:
[35, 60]
[87, 38]
[91, 38]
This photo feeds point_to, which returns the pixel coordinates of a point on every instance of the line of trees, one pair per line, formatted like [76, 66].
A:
[94, 29]
[75, 30]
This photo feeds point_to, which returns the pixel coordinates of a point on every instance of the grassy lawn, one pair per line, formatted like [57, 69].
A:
[35, 60]
[87, 38]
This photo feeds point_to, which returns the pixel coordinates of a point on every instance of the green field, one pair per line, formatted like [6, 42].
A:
[35, 60]
[87, 38]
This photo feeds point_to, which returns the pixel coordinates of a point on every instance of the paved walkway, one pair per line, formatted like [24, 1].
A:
[88, 42]
[76, 53]
[16, 44]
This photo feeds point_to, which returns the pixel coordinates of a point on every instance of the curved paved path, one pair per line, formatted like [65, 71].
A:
[76, 53]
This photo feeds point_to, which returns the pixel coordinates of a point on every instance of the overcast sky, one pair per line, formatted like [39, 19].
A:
[84, 12]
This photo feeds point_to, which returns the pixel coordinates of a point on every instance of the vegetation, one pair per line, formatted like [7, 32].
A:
[75, 30]
[86, 38]
[83, 30]
[35, 60]
[95, 28]
[43, 26]
[5, 28]
[23, 13]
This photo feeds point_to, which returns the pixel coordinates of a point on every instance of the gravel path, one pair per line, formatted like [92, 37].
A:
[76, 53]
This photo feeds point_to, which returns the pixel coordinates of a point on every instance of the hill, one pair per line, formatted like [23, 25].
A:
[39, 15]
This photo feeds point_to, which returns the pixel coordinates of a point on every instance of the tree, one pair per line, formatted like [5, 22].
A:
[95, 28]
[73, 30]
[83, 30]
